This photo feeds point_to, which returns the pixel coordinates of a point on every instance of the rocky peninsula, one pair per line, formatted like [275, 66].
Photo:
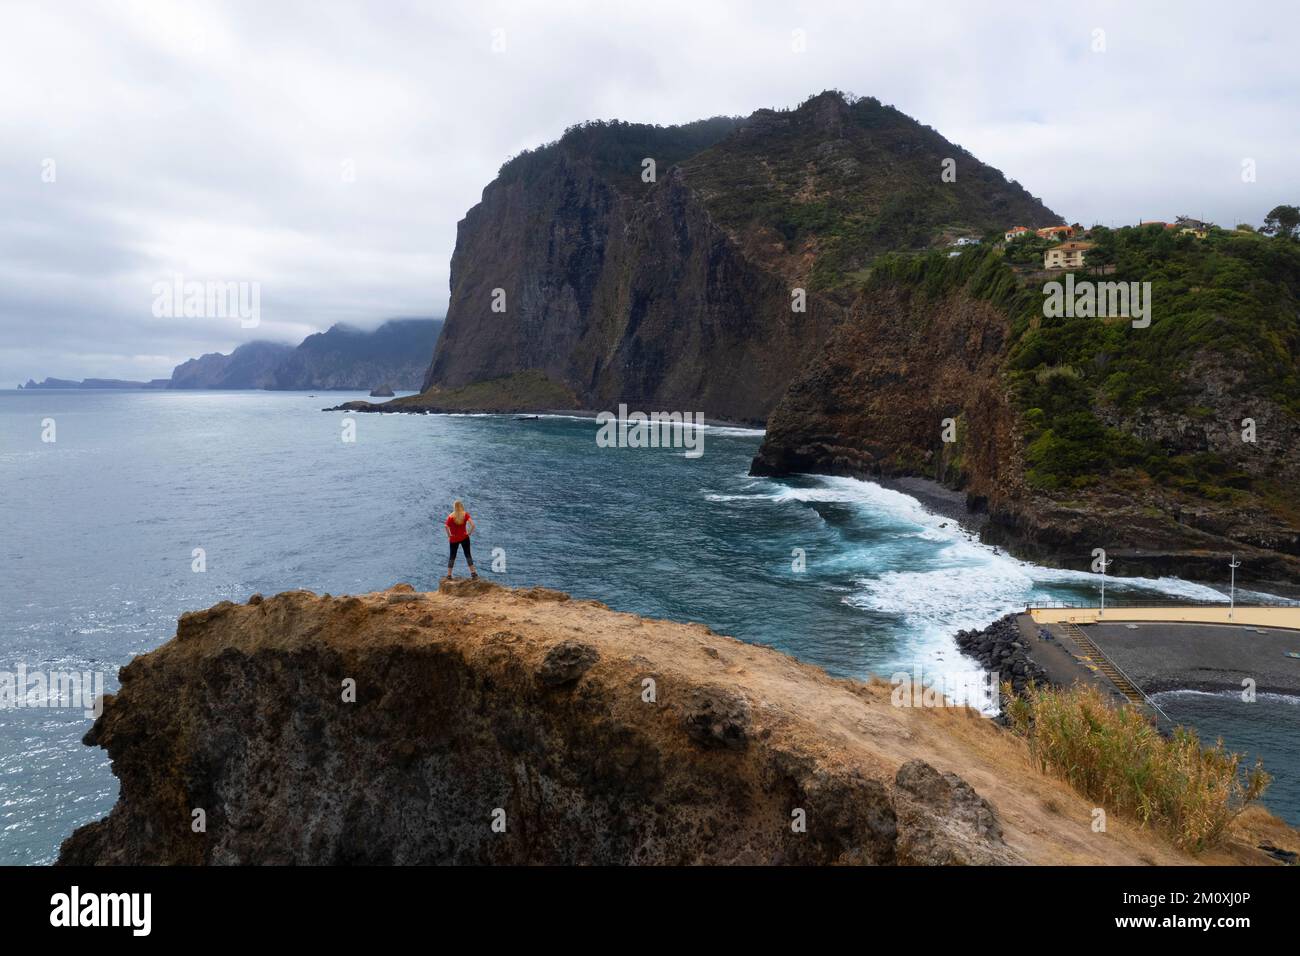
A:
[479, 724]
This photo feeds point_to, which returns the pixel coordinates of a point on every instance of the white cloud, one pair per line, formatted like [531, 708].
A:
[210, 138]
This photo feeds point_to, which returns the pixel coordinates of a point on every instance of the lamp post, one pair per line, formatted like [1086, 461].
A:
[1233, 564]
[1104, 565]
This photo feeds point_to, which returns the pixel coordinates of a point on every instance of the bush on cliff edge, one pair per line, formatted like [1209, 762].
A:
[1116, 756]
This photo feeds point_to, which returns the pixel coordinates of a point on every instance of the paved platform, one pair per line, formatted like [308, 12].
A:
[1058, 657]
[1166, 655]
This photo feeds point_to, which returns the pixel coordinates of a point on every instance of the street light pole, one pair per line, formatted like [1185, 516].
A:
[1104, 565]
[1234, 564]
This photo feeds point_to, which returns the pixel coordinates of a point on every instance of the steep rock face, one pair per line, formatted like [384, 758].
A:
[876, 399]
[585, 735]
[643, 300]
[251, 365]
[677, 294]
[396, 353]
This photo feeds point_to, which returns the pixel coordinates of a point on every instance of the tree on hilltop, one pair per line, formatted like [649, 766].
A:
[1282, 221]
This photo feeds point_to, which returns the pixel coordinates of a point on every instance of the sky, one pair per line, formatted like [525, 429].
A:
[320, 154]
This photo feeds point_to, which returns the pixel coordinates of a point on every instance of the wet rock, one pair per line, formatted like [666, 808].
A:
[1000, 648]
[1282, 856]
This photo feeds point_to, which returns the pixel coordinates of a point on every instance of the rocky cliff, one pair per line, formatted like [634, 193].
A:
[342, 358]
[618, 297]
[677, 293]
[899, 372]
[396, 353]
[1072, 434]
[251, 365]
[483, 725]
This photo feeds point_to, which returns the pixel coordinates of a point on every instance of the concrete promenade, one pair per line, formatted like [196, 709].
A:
[1279, 617]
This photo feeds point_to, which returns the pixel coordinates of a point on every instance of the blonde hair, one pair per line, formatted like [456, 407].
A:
[458, 509]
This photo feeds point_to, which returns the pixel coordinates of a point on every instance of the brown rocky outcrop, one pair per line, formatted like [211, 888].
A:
[875, 401]
[873, 404]
[483, 725]
[617, 297]
[676, 293]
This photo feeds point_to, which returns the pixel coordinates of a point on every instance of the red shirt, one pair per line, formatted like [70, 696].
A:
[459, 532]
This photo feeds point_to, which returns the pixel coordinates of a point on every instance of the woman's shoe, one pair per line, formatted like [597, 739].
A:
[473, 575]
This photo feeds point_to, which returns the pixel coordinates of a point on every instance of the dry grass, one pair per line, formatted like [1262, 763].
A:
[1115, 756]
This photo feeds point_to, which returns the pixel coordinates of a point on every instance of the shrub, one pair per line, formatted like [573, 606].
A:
[1116, 756]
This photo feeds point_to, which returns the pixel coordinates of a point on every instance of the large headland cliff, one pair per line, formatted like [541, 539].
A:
[679, 292]
[479, 724]
[796, 268]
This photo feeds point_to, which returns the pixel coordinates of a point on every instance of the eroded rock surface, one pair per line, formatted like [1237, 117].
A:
[479, 724]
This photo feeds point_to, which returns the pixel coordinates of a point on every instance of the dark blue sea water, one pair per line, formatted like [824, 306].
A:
[1267, 728]
[101, 526]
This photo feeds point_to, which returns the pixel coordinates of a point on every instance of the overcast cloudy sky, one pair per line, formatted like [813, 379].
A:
[326, 150]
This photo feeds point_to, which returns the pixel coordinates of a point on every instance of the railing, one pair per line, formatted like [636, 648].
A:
[1084, 642]
[1153, 602]
[1145, 696]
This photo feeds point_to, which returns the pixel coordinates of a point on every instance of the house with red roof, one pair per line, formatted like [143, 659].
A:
[1056, 232]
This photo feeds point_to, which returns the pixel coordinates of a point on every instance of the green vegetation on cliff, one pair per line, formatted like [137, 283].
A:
[616, 149]
[529, 390]
[1224, 310]
[845, 179]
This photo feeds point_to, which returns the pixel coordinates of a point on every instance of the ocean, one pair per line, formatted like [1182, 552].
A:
[148, 504]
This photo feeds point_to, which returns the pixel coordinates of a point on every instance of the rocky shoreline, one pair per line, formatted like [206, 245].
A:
[1001, 647]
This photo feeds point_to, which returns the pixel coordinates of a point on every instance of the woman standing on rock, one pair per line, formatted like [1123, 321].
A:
[459, 527]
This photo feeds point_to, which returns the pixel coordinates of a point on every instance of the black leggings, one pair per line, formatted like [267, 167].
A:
[451, 558]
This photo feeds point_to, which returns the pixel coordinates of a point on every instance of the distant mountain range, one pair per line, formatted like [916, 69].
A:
[344, 358]
[396, 354]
